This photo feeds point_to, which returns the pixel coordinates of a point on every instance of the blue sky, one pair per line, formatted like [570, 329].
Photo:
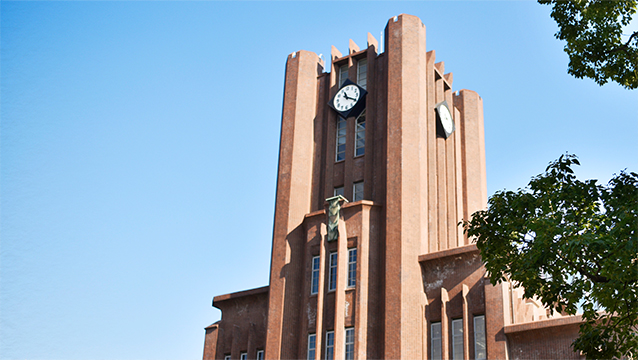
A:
[135, 135]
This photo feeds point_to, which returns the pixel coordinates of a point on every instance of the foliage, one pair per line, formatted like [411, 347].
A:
[571, 244]
[592, 30]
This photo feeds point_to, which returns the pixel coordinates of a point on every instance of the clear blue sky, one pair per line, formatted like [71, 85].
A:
[129, 156]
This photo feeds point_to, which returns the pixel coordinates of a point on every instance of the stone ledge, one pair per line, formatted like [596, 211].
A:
[240, 294]
[543, 324]
[449, 252]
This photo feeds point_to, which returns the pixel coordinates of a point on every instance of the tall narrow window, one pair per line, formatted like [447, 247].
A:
[314, 278]
[352, 267]
[357, 191]
[360, 135]
[243, 356]
[312, 345]
[330, 345]
[436, 340]
[457, 339]
[350, 344]
[343, 74]
[341, 139]
[362, 72]
[338, 191]
[260, 355]
[332, 274]
[480, 352]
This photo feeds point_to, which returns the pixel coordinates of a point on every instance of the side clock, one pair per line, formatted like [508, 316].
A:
[349, 99]
[445, 123]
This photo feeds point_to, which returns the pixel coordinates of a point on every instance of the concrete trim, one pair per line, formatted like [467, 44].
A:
[543, 324]
[449, 252]
[240, 294]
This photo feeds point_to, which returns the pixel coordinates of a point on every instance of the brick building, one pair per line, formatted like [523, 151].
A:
[379, 161]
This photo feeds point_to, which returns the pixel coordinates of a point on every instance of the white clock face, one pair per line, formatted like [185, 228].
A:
[446, 119]
[346, 98]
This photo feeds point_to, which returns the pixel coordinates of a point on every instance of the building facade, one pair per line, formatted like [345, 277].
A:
[368, 258]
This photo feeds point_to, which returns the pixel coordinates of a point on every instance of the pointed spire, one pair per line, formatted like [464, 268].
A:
[352, 47]
[335, 53]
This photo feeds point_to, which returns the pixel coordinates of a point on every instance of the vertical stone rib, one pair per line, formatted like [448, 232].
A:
[450, 172]
[466, 323]
[340, 293]
[441, 173]
[362, 287]
[294, 182]
[431, 155]
[445, 330]
[406, 57]
[320, 293]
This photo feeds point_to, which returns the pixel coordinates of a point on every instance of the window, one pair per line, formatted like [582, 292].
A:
[330, 345]
[314, 279]
[457, 339]
[357, 191]
[243, 356]
[436, 340]
[260, 355]
[362, 72]
[352, 267]
[226, 357]
[339, 191]
[332, 275]
[341, 139]
[312, 345]
[343, 74]
[350, 344]
[360, 135]
[480, 352]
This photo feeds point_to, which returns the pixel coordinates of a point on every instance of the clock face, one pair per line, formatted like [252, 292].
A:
[446, 119]
[346, 98]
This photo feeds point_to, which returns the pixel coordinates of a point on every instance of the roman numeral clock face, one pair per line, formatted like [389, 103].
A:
[346, 98]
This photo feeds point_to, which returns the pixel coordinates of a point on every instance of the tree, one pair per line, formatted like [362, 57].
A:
[593, 32]
[571, 244]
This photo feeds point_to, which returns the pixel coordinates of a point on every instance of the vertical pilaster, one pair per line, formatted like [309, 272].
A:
[406, 59]
[321, 292]
[340, 293]
[445, 327]
[470, 106]
[431, 155]
[497, 315]
[362, 287]
[466, 323]
[294, 182]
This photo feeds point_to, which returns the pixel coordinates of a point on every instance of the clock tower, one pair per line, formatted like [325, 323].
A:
[379, 161]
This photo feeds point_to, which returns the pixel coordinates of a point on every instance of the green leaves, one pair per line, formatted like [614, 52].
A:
[593, 32]
[571, 244]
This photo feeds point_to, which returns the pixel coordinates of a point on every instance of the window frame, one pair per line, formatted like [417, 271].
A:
[243, 356]
[330, 345]
[342, 78]
[314, 274]
[457, 324]
[349, 345]
[332, 271]
[363, 60]
[482, 317]
[341, 138]
[355, 192]
[436, 343]
[313, 348]
[352, 267]
[360, 134]
[227, 357]
[339, 190]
